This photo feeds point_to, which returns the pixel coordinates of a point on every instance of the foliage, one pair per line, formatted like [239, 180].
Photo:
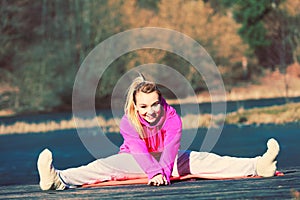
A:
[43, 43]
[44, 67]
[270, 27]
[215, 32]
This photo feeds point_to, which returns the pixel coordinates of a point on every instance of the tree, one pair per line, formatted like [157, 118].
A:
[44, 43]
[284, 34]
[290, 12]
[16, 29]
[263, 28]
[216, 32]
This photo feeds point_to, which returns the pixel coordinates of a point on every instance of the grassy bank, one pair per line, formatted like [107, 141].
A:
[275, 114]
[287, 113]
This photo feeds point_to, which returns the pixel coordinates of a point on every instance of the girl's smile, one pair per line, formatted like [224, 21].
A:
[148, 106]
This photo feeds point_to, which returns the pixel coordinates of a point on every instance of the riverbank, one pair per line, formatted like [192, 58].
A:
[287, 113]
[270, 115]
[273, 84]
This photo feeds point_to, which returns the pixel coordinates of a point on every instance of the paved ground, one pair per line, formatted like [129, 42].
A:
[284, 187]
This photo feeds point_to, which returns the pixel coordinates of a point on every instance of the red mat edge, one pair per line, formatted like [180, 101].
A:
[144, 180]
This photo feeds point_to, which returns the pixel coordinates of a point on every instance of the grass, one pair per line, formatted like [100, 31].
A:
[274, 114]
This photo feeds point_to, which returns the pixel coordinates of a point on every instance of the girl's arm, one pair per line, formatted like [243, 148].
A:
[138, 149]
[173, 129]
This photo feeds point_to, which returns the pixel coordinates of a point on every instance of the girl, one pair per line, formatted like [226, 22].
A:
[152, 130]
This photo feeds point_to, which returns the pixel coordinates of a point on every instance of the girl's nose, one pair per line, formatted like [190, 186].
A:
[151, 111]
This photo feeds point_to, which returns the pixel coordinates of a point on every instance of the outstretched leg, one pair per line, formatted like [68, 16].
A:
[213, 166]
[117, 167]
[210, 165]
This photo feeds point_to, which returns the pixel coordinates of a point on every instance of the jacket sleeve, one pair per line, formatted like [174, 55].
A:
[139, 150]
[173, 129]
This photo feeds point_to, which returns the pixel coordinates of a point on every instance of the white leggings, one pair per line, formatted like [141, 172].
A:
[123, 166]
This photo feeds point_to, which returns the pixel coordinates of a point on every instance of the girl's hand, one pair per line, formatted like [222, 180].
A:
[158, 180]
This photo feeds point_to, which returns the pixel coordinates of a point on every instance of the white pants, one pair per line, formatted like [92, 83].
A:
[123, 166]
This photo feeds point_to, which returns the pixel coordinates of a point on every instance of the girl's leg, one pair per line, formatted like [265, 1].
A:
[209, 165]
[116, 167]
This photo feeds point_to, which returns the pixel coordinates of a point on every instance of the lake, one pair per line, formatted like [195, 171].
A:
[231, 106]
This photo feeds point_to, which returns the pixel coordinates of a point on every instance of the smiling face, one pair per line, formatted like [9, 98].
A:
[148, 106]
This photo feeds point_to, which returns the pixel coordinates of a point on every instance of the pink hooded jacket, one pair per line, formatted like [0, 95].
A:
[163, 139]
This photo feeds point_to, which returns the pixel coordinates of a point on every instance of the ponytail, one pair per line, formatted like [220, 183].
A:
[139, 84]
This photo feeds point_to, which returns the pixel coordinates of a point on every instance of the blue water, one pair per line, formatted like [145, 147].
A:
[231, 106]
[18, 152]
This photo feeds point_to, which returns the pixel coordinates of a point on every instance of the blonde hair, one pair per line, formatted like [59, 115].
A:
[139, 84]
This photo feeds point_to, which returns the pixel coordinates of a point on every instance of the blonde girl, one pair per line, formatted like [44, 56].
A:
[152, 131]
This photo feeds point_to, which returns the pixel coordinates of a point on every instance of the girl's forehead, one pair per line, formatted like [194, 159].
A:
[146, 98]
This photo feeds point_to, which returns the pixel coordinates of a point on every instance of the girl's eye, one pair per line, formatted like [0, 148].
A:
[155, 104]
[143, 106]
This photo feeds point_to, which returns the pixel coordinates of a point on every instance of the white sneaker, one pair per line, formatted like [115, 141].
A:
[266, 165]
[49, 179]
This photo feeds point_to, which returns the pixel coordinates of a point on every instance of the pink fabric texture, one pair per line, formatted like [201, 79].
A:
[162, 138]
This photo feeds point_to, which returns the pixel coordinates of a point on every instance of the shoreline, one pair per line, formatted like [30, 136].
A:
[272, 85]
[204, 98]
[289, 113]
